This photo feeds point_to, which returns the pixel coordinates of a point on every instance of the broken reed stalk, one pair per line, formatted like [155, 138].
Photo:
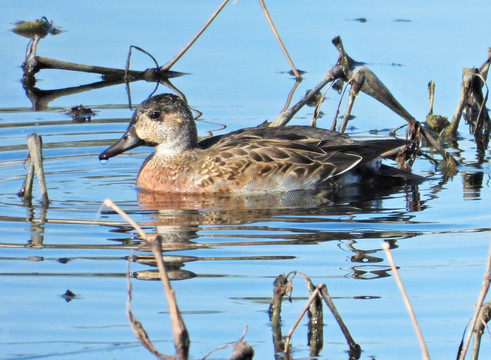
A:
[355, 349]
[484, 317]
[290, 96]
[282, 285]
[110, 204]
[347, 113]
[179, 331]
[465, 89]
[316, 320]
[311, 298]
[277, 36]
[336, 114]
[26, 189]
[136, 326]
[42, 62]
[127, 68]
[424, 349]
[35, 146]
[284, 117]
[31, 49]
[241, 351]
[315, 292]
[478, 305]
[472, 83]
[167, 66]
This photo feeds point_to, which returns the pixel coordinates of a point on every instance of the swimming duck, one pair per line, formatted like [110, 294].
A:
[251, 160]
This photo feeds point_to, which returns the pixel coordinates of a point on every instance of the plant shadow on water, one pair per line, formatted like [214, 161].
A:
[65, 268]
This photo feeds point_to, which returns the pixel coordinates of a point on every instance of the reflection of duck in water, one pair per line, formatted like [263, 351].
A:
[262, 159]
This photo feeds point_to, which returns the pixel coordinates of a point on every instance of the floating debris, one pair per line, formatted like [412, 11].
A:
[435, 122]
[39, 27]
[69, 295]
[312, 102]
[81, 113]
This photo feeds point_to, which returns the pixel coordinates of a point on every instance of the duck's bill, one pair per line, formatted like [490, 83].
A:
[129, 141]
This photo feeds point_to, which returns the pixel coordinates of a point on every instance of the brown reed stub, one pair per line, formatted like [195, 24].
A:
[242, 351]
[481, 316]
[35, 158]
[315, 316]
[282, 286]
[472, 101]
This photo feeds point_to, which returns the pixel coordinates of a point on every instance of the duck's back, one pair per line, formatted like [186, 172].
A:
[278, 159]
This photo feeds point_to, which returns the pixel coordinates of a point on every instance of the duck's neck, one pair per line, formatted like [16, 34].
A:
[177, 149]
[179, 145]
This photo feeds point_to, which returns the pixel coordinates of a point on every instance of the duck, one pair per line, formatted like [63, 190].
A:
[249, 160]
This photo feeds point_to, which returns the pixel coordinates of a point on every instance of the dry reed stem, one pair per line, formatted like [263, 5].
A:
[35, 146]
[186, 47]
[26, 189]
[241, 351]
[478, 305]
[277, 36]
[179, 332]
[216, 349]
[284, 117]
[290, 96]
[136, 326]
[109, 203]
[424, 350]
[467, 91]
[41, 62]
[354, 347]
[311, 298]
[484, 317]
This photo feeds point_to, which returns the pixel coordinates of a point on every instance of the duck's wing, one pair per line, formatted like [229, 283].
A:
[289, 157]
[299, 134]
[269, 164]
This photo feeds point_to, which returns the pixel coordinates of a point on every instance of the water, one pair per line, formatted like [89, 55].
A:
[228, 251]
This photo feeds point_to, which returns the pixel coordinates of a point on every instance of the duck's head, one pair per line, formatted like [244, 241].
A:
[163, 121]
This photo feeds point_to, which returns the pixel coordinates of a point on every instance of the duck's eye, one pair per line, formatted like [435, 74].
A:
[154, 114]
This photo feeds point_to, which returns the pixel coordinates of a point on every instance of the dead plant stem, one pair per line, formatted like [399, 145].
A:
[34, 143]
[171, 63]
[422, 344]
[277, 36]
[477, 307]
[286, 116]
[109, 203]
[179, 331]
[302, 313]
[327, 299]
